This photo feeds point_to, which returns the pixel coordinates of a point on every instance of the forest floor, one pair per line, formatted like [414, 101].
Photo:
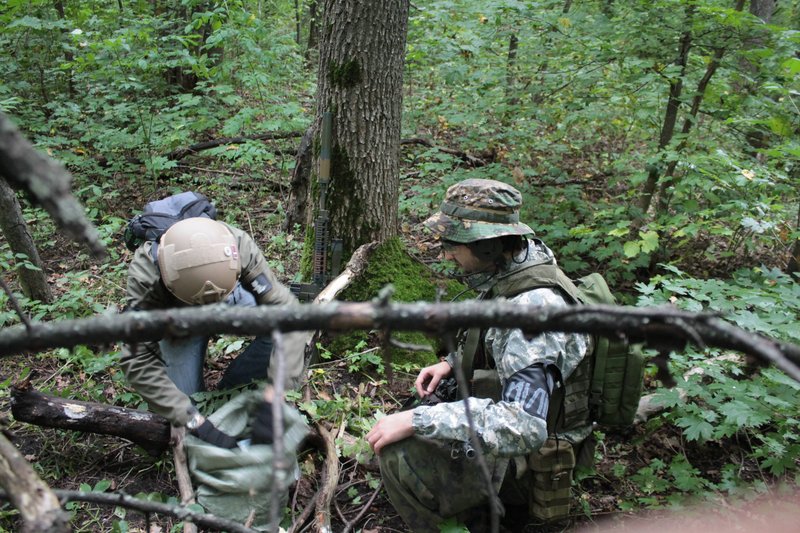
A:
[71, 460]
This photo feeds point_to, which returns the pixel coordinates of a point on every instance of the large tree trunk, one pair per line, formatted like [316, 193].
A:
[360, 80]
[15, 230]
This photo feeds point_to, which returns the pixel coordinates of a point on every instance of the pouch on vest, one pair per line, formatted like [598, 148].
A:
[551, 469]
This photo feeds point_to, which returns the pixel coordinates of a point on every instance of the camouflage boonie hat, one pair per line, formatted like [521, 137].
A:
[477, 209]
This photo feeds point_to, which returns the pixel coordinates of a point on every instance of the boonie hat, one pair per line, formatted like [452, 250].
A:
[477, 209]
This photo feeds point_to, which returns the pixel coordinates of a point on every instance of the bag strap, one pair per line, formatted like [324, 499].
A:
[598, 370]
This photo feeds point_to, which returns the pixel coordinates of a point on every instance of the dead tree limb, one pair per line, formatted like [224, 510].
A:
[180, 153]
[38, 506]
[664, 328]
[48, 184]
[148, 430]
[330, 479]
[471, 160]
[207, 521]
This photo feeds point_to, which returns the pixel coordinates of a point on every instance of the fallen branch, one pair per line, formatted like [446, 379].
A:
[180, 153]
[464, 156]
[182, 474]
[330, 479]
[147, 506]
[148, 430]
[664, 328]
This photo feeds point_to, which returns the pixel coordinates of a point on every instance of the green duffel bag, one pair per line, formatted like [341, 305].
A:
[237, 483]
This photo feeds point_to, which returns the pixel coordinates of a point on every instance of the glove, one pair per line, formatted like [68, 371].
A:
[207, 432]
[262, 424]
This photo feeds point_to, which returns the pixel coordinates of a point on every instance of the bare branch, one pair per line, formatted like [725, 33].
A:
[657, 326]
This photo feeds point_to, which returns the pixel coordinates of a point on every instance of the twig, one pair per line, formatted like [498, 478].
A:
[278, 454]
[309, 508]
[15, 304]
[363, 511]
[494, 498]
[182, 473]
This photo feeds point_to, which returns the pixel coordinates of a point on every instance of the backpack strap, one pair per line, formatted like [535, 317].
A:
[467, 359]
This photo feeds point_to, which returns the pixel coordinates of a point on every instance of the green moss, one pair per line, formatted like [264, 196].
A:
[347, 74]
[391, 264]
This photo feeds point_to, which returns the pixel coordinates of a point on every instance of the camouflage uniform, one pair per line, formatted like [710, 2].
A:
[428, 477]
[143, 364]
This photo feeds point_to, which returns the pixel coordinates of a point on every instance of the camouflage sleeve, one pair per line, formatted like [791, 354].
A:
[513, 352]
[141, 363]
[503, 428]
[516, 425]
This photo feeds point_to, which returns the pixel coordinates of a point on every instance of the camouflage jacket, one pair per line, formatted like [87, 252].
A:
[142, 363]
[505, 428]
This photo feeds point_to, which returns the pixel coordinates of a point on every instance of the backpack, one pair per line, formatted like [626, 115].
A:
[617, 366]
[159, 215]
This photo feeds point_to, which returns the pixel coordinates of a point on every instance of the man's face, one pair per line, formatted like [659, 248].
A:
[462, 255]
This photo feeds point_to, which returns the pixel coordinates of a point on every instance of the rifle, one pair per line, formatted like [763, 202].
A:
[323, 244]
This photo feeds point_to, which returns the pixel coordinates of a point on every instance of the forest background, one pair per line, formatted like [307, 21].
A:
[654, 141]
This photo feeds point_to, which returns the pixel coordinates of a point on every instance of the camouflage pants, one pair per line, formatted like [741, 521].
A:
[430, 481]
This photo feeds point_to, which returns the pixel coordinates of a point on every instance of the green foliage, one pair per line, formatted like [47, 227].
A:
[717, 401]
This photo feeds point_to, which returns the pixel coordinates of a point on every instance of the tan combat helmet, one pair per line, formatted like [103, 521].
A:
[199, 260]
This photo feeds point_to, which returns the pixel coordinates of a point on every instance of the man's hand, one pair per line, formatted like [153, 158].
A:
[262, 424]
[208, 432]
[430, 376]
[389, 429]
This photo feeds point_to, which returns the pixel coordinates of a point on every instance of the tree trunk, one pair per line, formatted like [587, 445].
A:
[511, 67]
[313, 31]
[59, 7]
[667, 180]
[670, 115]
[793, 266]
[360, 80]
[12, 224]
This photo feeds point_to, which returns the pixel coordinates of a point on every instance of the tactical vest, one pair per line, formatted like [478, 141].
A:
[551, 467]
[569, 403]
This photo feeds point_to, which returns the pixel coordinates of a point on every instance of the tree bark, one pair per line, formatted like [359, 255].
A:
[15, 229]
[360, 80]
[38, 506]
[148, 430]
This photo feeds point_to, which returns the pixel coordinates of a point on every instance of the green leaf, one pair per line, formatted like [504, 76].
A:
[631, 249]
[649, 241]
[792, 64]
